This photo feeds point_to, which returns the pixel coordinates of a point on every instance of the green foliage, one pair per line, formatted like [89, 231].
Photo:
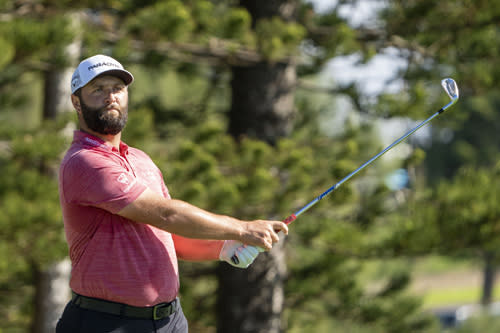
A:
[473, 135]
[456, 216]
[455, 34]
[29, 194]
[168, 20]
[202, 12]
[341, 41]
[460, 40]
[276, 38]
[32, 235]
[474, 213]
[460, 216]
[236, 25]
[139, 128]
[481, 323]
[7, 54]
[42, 40]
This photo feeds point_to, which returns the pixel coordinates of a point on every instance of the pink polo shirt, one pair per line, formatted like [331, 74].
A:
[112, 257]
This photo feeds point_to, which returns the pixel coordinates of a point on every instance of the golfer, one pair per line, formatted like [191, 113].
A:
[124, 231]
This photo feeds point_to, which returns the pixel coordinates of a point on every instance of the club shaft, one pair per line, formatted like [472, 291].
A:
[302, 210]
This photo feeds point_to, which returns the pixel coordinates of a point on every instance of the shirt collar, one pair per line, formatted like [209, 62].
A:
[88, 139]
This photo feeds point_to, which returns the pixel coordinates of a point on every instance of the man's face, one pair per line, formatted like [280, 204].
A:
[104, 105]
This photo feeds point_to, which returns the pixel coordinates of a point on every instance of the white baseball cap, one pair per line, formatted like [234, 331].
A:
[94, 66]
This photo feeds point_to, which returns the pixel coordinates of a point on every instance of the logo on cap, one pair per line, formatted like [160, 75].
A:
[100, 64]
[75, 82]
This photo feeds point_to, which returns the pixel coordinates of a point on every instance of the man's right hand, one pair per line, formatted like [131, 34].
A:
[263, 233]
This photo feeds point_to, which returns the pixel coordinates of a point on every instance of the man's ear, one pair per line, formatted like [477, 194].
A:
[76, 103]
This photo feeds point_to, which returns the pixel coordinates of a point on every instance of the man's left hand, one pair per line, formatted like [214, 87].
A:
[245, 254]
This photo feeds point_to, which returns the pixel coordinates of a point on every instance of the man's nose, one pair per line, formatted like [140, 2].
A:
[110, 97]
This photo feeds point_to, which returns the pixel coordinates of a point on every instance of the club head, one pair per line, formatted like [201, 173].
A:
[450, 86]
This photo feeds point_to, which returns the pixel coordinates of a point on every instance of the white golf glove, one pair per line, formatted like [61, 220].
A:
[238, 254]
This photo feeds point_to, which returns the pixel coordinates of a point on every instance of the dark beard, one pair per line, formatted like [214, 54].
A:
[99, 120]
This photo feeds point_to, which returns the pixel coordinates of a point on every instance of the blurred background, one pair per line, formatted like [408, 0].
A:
[253, 108]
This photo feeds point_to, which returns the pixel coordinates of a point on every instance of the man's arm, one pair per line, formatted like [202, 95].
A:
[181, 218]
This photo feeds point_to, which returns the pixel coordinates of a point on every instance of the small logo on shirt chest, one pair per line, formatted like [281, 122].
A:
[122, 178]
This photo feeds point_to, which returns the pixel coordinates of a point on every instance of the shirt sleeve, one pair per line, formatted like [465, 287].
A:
[95, 180]
[164, 188]
[197, 249]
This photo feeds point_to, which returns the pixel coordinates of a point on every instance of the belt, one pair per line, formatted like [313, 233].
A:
[156, 312]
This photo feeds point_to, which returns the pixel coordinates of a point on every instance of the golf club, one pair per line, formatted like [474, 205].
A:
[448, 84]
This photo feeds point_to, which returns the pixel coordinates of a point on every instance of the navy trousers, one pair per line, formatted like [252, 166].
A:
[77, 320]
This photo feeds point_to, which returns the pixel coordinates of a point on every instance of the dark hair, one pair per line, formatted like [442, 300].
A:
[78, 93]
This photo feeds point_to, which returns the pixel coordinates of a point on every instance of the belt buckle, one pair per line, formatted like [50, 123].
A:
[161, 311]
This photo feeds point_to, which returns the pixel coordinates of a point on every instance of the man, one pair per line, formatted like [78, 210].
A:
[124, 232]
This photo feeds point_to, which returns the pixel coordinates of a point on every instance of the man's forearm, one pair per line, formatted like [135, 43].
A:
[184, 219]
[181, 218]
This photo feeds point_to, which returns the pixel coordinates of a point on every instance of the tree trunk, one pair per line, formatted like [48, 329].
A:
[51, 295]
[262, 107]
[52, 285]
[262, 101]
[489, 273]
[251, 300]
[56, 90]
[56, 93]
